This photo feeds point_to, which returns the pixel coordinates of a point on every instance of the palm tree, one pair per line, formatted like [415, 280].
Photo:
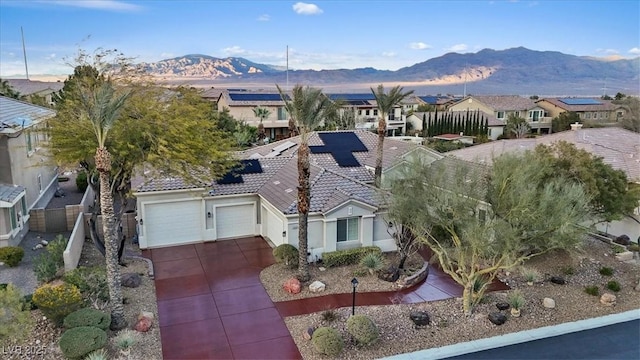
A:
[307, 107]
[262, 113]
[385, 103]
[100, 106]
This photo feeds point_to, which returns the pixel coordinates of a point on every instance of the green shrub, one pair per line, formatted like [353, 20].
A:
[11, 255]
[613, 286]
[87, 317]
[45, 267]
[606, 271]
[327, 341]
[91, 281]
[57, 301]
[27, 302]
[3, 286]
[530, 275]
[15, 320]
[78, 342]
[81, 181]
[372, 262]
[100, 354]
[56, 248]
[633, 247]
[286, 254]
[363, 329]
[516, 299]
[126, 339]
[347, 257]
[592, 290]
[329, 315]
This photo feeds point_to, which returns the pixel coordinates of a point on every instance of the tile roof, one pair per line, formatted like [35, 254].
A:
[14, 114]
[504, 102]
[9, 193]
[618, 147]
[269, 102]
[606, 105]
[28, 87]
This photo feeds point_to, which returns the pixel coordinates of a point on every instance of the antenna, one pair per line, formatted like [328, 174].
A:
[464, 90]
[24, 51]
[287, 87]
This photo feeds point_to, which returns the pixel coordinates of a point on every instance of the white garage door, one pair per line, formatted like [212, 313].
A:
[274, 228]
[235, 221]
[173, 223]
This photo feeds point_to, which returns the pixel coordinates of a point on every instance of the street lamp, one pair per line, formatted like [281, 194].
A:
[354, 283]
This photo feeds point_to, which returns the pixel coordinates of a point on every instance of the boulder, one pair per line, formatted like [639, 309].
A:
[625, 256]
[608, 299]
[130, 280]
[322, 268]
[558, 280]
[143, 324]
[548, 303]
[420, 318]
[497, 318]
[308, 333]
[44, 242]
[317, 286]
[623, 240]
[502, 305]
[146, 314]
[292, 286]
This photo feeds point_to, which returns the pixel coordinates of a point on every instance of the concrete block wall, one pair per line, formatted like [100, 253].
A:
[37, 220]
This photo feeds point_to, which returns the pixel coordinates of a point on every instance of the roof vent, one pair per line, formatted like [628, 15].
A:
[576, 126]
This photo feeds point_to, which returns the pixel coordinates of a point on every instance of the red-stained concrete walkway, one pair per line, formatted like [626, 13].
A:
[212, 305]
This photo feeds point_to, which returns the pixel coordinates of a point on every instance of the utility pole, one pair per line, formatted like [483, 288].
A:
[24, 51]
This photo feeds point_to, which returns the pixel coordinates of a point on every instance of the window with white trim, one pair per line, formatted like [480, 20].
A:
[282, 113]
[500, 115]
[12, 216]
[348, 229]
[23, 202]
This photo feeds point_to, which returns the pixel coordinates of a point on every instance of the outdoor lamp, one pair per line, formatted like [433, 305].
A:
[354, 283]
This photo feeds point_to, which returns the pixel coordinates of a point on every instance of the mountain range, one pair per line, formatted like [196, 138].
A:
[511, 71]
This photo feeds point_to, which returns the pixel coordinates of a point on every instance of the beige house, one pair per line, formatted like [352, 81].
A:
[28, 178]
[365, 108]
[240, 104]
[501, 106]
[496, 127]
[30, 88]
[590, 110]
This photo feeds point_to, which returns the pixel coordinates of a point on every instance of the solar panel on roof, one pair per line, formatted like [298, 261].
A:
[580, 101]
[255, 97]
[234, 176]
[347, 97]
[341, 146]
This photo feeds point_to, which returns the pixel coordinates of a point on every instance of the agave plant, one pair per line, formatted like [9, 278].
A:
[373, 262]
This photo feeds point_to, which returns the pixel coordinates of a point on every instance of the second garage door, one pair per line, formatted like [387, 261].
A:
[235, 221]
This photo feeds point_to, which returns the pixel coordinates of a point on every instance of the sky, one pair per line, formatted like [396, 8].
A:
[383, 34]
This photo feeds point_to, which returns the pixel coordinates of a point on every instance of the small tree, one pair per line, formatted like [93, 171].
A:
[517, 126]
[262, 113]
[479, 221]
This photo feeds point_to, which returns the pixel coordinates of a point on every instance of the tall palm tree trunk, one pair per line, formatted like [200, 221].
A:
[103, 165]
[304, 191]
[382, 131]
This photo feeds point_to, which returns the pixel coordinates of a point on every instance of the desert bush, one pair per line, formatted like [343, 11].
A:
[372, 262]
[78, 342]
[11, 255]
[329, 315]
[516, 299]
[568, 270]
[87, 317]
[27, 302]
[15, 320]
[530, 275]
[633, 247]
[126, 339]
[286, 254]
[606, 271]
[348, 257]
[327, 341]
[592, 290]
[56, 248]
[100, 354]
[614, 286]
[57, 301]
[363, 329]
[91, 281]
[81, 181]
[45, 268]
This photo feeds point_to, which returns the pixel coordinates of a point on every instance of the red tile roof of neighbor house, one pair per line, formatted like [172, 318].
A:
[617, 147]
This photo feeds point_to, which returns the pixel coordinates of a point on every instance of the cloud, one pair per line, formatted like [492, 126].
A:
[234, 50]
[50, 56]
[167, 55]
[419, 46]
[388, 54]
[457, 48]
[109, 5]
[306, 9]
[264, 17]
[634, 51]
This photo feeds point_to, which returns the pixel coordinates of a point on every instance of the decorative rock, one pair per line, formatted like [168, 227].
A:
[44, 242]
[502, 305]
[549, 303]
[322, 268]
[625, 256]
[622, 240]
[497, 318]
[143, 325]
[316, 286]
[308, 334]
[146, 314]
[420, 318]
[608, 299]
[130, 280]
[557, 280]
[292, 286]
[39, 246]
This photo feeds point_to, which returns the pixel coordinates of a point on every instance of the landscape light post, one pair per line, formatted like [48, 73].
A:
[354, 284]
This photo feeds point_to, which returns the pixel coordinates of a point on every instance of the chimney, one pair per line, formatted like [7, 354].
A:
[576, 126]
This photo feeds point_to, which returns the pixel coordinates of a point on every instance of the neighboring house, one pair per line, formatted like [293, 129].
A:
[29, 88]
[346, 211]
[501, 106]
[28, 178]
[240, 104]
[591, 110]
[366, 112]
[496, 127]
[440, 102]
[212, 95]
[617, 147]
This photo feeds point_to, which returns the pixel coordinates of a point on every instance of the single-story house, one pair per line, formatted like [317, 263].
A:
[593, 110]
[346, 210]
